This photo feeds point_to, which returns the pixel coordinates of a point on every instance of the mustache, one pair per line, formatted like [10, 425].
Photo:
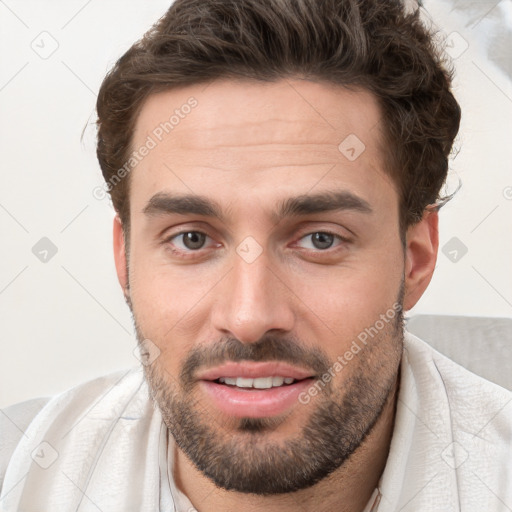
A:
[266, 349]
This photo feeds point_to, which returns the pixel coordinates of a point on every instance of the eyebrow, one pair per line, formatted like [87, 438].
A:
[306, 204]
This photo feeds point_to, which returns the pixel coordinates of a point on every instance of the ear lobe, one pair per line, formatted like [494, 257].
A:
[120, 255]
[422, 243]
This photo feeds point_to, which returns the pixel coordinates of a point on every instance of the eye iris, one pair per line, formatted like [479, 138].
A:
[193, 239]
[322, 240]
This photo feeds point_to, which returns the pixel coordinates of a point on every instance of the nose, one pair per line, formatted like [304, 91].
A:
[252, 300]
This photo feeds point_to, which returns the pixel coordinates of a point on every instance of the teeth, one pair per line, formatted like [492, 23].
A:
[258, 383]
[262, 383]
[244, 383]
[277, 381]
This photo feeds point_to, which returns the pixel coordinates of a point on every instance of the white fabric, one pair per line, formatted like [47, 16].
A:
[452, 444]
[451, 448]
[14, 420]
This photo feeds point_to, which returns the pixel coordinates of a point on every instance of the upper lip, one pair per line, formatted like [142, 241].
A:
[253, 370]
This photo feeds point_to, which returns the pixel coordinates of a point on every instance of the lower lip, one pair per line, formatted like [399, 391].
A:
[254, 403]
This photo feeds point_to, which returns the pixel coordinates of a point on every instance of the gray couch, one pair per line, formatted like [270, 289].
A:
[482, 345]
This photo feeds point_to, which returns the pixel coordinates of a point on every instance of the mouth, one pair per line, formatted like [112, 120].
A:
[254, 390]
[257, 383]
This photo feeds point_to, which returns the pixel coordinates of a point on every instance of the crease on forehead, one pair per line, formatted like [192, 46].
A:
[314, 137]
[230, 105]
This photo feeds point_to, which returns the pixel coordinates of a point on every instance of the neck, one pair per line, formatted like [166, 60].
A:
[348, 489]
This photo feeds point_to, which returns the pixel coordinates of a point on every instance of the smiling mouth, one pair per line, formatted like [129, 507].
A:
[257, 383]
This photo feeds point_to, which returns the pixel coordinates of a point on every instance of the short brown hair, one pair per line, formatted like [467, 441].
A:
[371, 44]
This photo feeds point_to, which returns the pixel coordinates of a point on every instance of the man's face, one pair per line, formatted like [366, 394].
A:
[292, 253]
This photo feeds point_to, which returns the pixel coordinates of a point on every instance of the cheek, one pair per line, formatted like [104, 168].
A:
[157, 292]
[345, 301]
[168, 307]
[159, 317]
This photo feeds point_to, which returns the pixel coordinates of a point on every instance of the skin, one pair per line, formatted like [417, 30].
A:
[248, 146]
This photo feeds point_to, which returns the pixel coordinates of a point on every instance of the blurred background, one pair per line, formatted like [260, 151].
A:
[62, 314]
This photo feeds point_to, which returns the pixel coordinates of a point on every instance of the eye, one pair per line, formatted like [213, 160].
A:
[321, 240]
[188, 240]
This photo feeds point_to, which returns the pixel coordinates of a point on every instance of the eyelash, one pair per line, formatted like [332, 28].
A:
[191, 252]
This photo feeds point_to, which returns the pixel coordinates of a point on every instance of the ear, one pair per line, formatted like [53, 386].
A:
[420, 256]
[120, 255]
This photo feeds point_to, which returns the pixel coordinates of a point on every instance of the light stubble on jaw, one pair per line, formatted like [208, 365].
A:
[342, 418]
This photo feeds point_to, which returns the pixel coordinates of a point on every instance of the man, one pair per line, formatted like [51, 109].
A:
[275, 166]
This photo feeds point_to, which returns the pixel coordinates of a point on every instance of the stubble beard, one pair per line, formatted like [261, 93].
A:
[243, 458]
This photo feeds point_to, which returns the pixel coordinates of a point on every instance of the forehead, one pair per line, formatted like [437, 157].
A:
[259, 141]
